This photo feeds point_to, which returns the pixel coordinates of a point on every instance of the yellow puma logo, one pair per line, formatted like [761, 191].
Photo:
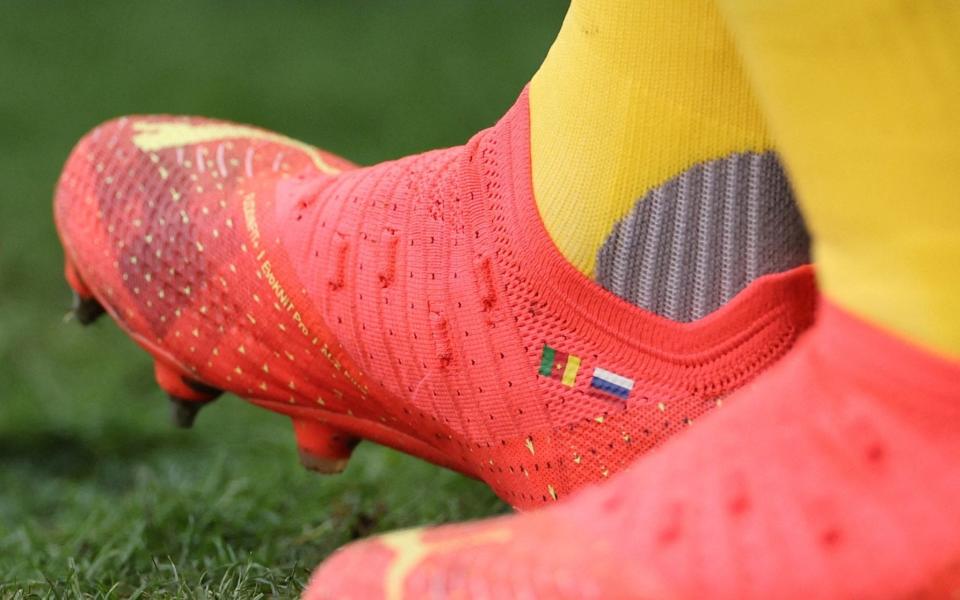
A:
[411, 549]
[153, 136]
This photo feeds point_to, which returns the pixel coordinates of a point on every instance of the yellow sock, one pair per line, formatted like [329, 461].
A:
[630, 95]
[864, 99]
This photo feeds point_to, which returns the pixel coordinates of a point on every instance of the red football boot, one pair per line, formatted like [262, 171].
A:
[418, 303]
[834, 475]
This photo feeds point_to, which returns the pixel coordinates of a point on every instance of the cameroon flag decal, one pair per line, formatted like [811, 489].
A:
[559, 365]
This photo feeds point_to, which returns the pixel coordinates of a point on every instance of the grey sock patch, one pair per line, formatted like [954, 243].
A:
[693, 243]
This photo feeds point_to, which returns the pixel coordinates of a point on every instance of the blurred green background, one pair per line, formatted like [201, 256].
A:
[99, 495]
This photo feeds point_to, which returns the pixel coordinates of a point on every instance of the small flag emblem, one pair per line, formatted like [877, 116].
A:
[559, 365]
[611, 383]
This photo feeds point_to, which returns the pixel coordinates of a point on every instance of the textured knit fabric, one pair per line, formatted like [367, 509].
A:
[631, 95]
[863, 97]
[834, 475]
[419, 303]
[692, 244]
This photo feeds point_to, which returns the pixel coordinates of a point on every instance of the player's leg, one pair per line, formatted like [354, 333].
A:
[653, 168]
[862, 96]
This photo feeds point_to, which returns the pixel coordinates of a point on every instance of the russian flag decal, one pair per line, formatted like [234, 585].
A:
[611, 383]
